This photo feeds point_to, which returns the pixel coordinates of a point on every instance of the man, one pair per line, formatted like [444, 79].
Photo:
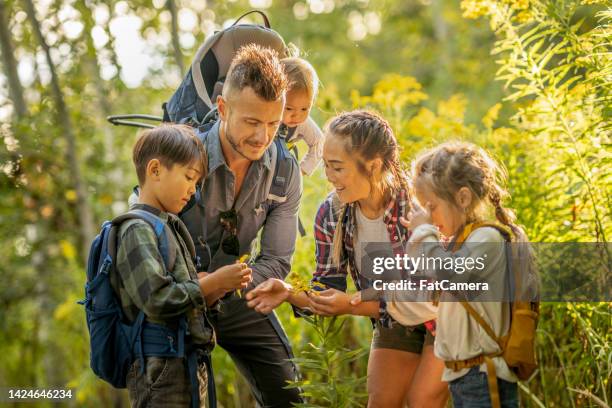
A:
[234, 205]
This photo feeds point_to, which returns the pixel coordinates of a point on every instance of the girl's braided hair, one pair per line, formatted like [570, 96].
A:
[453, 165]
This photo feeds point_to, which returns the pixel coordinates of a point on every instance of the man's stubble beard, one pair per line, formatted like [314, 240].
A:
[232, 143]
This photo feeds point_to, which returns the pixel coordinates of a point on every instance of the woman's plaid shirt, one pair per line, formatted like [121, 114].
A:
[334, 275]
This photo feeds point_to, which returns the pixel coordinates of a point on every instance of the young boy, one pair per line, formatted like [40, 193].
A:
[169, 161]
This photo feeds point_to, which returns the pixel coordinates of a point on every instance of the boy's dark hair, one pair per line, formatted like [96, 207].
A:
[170, 144]
[259, 68]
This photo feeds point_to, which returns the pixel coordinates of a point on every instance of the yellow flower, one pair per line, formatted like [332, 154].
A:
[71, 195]
[475, 8]
[491, 116]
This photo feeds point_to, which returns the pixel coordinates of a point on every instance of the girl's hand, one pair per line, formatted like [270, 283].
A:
[331, 302]
[417, 216]
[268, 295]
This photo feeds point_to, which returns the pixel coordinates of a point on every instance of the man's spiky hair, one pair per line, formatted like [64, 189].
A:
[258, 68]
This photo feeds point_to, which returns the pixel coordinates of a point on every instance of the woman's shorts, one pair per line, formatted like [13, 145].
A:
[404, 338]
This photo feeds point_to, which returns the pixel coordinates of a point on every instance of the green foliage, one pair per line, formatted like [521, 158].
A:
[330, 380]
[427, 69]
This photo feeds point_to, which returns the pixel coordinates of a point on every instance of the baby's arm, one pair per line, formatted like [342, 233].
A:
[313, 136]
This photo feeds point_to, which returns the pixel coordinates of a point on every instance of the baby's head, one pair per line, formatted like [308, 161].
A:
[170, 160]
[302, 90]
[455, 181]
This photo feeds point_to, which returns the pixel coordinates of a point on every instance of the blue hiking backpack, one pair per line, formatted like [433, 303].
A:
[114, 344]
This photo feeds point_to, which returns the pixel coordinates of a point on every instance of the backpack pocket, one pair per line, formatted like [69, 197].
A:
[109, 338]
[519, 352]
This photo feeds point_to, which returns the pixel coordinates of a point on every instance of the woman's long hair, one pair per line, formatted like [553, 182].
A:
[367, 137]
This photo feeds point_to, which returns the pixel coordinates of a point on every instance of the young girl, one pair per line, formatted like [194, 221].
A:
[458, 184]
[296, 122]
[361, 157]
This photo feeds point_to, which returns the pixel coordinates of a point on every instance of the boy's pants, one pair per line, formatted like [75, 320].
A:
[165, 383]
[472, 391]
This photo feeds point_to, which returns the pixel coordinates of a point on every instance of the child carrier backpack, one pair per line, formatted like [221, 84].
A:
[518, 345]
[115, 344]
[194, 101]
[196, 97]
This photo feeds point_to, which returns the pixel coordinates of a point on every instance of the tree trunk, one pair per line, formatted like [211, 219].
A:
[65, 123]
[10, 66]
[178, 56]
[110, 46]
[443, 80]
[93, 68]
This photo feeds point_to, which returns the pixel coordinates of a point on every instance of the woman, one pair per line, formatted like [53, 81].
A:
[361, 157]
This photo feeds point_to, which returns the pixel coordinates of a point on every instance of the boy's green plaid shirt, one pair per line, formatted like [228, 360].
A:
[143, 284]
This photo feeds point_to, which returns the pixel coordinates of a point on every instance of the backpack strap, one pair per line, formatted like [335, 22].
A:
[483, 358]
[208, 122]
[159, 227]
[198, 78]
[456, 243]
[485, 326]
[282, 172]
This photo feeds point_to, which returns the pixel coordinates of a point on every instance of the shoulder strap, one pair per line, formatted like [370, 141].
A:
[198, 78]
[469, 228]
[208, 122]
[485, 326]
[159, 227]
[282, 172]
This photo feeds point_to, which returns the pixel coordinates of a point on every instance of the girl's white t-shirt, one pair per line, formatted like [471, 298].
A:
[375, 230]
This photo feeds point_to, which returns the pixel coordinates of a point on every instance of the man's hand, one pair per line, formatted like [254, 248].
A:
[268, 295]
[331, 302]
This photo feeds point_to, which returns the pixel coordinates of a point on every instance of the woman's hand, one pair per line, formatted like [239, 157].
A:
[268, 295]
[331, 302]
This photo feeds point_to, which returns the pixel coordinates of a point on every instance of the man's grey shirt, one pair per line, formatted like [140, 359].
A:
[254, 209]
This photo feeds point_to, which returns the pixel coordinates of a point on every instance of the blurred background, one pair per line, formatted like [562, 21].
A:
[529, 80]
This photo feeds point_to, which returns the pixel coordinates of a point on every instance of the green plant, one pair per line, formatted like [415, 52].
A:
[330, 381]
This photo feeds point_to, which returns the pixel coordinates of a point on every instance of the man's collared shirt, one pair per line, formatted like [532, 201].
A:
[255, 211]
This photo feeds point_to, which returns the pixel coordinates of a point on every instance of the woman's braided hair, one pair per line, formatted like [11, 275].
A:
[368, 136]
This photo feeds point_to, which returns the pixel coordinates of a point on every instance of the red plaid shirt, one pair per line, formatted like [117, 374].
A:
[334, 276]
